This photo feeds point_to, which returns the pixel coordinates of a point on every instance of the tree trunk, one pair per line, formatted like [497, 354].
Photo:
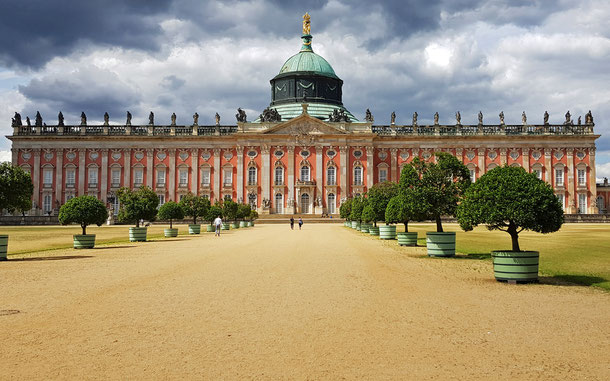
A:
[439, 225]
[514, 235]
[375, 223]
[170, 223]
[406, 226]
[195, 220]
[84, 229]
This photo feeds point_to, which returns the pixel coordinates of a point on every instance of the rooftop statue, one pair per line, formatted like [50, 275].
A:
[458, 118]
[60, 119]
[589, 118]
[27, 121]
[546, 117]
[368, 116]
[568, 118]
[17, 120]
[151, 118]
[415, 118]
[173, 118]
[501, 115]
[436, 117]
[306, 24]
[338, 116]
[270, 115]
[38, 119]
[128, 122]
[524, 118]
[195, 119]
[83, 119]
[106, 118]
[217, 118]
[480, 117]
[579, 120]
[393, 118]
[241, 115]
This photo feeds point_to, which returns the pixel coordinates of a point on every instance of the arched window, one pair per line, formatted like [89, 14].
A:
[279, 175]
[331, 176]
[357, 175]
[251, 175]
[305, 173]
[279, 203]
[47, 203]
[331, 203]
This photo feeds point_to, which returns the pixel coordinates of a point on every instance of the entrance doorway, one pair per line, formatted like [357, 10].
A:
[304, 203]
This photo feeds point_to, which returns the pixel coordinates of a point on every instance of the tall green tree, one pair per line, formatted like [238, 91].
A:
[137, 205]
[378, 197]
[16, 188]
[170, 211]
[229, 210]
[406, 206]
[195, 206]
[511, 200]
[441, 186]
[214, 211]
[83, 210]
[358, 204]
[345, 209]
[368, 213]
[243, 211]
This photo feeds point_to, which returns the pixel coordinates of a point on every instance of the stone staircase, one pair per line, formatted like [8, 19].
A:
[307, 219]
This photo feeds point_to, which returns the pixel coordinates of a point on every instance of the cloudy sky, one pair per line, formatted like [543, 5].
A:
[184, 56]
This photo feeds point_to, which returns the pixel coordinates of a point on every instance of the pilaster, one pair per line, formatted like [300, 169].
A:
[343, 152]
[525, 154]
[36, 178]
[290, 177]
[172, 174]
[570, 181]
[593, 207]
[104, 178]
[503, 159]
[319, 175]
[194, 170]
[394, 176]
[266, 165]
[240, 173]
[548, 176]
[81, 170]
[14, 156]
[370, 170]
[59, 171]
[217, 195]
[127, 167]
[150, 168]
[481, 156]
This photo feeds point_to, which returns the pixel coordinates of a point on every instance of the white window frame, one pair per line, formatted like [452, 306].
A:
[582, 176]
[70, 175]
[357, 175]
[161, 199]
[47, 203]
[227, 176]
[331, 204]
[205, 176]
[161, 176]
[559, 177]
[138, 176]
[115, 179]
[561, 198]
[279, 175]
[305, 173]
[582, 203]
[47, 177]
[279, 203]
[93, 176]
[383, 174]
[331, 175]
[252, 175]
[538, 173]
[183, 177]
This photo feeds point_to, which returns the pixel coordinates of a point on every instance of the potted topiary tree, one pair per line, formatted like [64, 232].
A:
[243, 212]
[368, 216]
[404, 207]
[136, 206]
[194, 206]
[15, 194]
[85, 211]
[213, 212]
[345, 210]
[253, 216]
[440, 188]
[356, 213]
[512, 200]
[168, 212]
[229, 211]
[378, 197]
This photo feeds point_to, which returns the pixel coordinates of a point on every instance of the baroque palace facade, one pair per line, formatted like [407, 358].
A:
[304, 154]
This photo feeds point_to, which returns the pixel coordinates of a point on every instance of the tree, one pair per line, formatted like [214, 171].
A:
[378, 197]
[368, 213]
[406, 205]
[243, 211]
[511, 200]
[137, 205]
[195, 206]
[253, 215]
[441, 186]
[358, 204]
[171, 211]
[213, 212]
[16, 188]
[83, 210]
[229, 210]
[345, 209]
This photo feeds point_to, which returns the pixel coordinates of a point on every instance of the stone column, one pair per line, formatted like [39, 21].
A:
[569, 181]
[343, 152]
[503, 159]
[59, 171]
[394, 176]
[172, 174]
[104, 177]
[481, 155]
[370, 169]
[127, 168]
[319, 178]
[36, 177]
[240, 173]
[217, 195]
[593, 207]
[194, 170]
[14, 156]
[266, 167]
[150, 168]
[525, 152]
[290, 178]
[81, 171]
[548, 177]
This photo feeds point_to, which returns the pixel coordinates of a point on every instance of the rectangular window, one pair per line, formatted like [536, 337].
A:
[47, 178]
[582, 203]
[161, 177]
[538, 173]
[251, 176]
[304, 173]
[161, 199]
[472, 175]
[383, 175]
[331, 178]
[116, 176]
[358, 176]
[228, 176]
[279, 176]
[93, 176]
[70, 176]
[138, 176]
[561, 200]
[559, 177]
[582, 178]
[116, 204]
[183, 177]
[205, 176]
[46, 203]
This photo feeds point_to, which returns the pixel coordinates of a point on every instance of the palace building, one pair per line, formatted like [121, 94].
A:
[304, 154]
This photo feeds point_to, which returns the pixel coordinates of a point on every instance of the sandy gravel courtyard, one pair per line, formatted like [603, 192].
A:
[270, 303]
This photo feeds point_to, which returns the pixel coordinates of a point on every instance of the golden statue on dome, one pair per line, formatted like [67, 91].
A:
[306, 24]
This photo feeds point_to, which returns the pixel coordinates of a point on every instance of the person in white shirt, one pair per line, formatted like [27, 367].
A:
[218, 223]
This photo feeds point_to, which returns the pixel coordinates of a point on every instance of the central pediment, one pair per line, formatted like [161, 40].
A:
[304, 125]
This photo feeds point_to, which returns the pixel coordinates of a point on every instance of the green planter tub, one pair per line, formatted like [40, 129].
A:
[364, 228]
[515, 266]
[353, 224]
[234, 225]
[225, 227]
[387, 232]
[407, 239]
[210, 228]
[374, 230]
[137, 234]
[250, 223]
[358, 226]
[243, 224]
[194, 228]
[440, 244]
[3, 247]
[84, 241]
[170, 232]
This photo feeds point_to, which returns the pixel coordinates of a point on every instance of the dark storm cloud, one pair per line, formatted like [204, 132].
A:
[34, 31]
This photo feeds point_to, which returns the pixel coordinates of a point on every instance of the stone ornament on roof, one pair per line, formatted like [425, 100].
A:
[458, 118]
[83, 119]
[368, 116]
[270, 115]
[501, 115]
[128, 121]
[241, 116]
[546, 118]
[195, 119]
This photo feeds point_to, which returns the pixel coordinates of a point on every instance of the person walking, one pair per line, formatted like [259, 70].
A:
[300, 223]
[291, 223]
[218, 223]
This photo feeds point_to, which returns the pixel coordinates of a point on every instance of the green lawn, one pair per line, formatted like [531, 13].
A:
[578, 253]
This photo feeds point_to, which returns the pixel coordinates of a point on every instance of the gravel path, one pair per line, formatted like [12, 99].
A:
[270, 303]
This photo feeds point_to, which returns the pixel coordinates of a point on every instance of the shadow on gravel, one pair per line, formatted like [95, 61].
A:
[57, 258]
[110, 247]
[167, 240]
[572, 280]
[476, 256]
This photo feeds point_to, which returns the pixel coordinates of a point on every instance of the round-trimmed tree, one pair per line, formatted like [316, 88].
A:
[368, 214]
[358, 204]
[229, 210]
[214, 211]
[137, 205]
[511, 200]
[194, 206]
[16, 188]
[345, 209]
[243, 211]
[253, 215]
[170, 211]
[378, 197]
[406, 205]
[83, 210]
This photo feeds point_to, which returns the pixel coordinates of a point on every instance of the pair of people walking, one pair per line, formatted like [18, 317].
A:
[292, 223]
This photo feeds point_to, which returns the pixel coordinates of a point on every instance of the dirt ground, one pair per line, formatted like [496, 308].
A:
[266, 302]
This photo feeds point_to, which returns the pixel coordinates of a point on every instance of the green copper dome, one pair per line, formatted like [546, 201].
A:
[308, 61]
